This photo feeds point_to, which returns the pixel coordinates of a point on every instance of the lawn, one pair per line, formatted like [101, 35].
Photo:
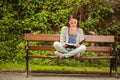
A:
[21, 67]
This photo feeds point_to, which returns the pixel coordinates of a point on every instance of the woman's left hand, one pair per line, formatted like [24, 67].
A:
[77, 45]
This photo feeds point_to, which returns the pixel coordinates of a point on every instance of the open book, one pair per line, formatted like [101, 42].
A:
[70, 44]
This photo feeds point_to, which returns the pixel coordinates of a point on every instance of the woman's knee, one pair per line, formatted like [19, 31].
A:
[83, 48]
[56, 43]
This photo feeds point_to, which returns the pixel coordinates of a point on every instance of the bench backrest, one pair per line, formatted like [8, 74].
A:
[56, 37]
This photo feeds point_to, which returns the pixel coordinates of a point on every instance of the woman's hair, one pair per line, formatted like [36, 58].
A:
[73, 16]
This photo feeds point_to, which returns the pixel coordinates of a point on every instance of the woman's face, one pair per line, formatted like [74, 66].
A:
[73, 22]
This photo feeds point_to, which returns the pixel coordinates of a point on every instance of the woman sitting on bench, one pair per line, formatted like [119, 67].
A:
[71, 40]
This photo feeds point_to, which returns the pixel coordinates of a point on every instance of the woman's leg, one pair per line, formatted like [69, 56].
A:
[58, 46]
[78, 50]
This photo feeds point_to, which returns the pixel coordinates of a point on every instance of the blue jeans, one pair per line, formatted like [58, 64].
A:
[68, 52]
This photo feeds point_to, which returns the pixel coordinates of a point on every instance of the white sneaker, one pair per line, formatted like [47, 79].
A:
[60, 55]
[78, 56]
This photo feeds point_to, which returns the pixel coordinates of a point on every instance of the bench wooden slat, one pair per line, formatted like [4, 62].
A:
[55, 37]
[51, 48]
[86, 58]
[99, 49]
[41, 37]
[46, 48]
[99, 38]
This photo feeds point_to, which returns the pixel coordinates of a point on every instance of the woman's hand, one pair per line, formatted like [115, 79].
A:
[65, 45]
[77, 45]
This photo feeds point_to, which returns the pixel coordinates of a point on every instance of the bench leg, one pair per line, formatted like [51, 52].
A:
[27, 66]
[111, 67]
[27, 58]
[115, 62]
[116, 56]
[116, 71]
[27, 63]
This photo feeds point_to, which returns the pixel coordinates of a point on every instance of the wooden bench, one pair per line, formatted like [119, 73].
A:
[113, 55]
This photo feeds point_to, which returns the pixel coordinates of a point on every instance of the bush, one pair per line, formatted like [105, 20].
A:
[44, 16]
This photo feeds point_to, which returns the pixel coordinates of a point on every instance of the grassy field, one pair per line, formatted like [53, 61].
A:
[20, 66]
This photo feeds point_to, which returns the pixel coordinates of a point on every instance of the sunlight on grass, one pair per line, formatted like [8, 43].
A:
[17, 66]
[66, 68]
[12, 66]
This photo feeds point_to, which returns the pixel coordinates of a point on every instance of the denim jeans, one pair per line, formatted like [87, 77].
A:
[68, 52]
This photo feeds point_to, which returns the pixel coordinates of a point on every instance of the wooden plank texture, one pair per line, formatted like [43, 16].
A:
[41, 37]
[56, 37]
[51, 48]
[99, 38]
[86, 58]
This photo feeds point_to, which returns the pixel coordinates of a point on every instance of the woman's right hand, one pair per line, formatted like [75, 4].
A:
[65, 45]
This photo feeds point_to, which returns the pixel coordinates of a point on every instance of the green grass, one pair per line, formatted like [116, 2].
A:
[19, 66]
[66, 68]
[12, 66]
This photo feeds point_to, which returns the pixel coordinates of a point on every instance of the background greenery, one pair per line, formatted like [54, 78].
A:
[49, 16]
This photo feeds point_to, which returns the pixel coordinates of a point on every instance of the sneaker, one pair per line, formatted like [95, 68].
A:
[78, 56]
[60, 55]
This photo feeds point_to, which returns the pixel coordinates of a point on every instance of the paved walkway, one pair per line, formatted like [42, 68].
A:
[45, 76]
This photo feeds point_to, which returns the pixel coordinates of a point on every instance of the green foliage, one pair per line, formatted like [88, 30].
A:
[96, 12]
[48, 16]
[37, 16]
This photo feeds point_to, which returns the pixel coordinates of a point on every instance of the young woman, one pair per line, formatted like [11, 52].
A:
[70, 38]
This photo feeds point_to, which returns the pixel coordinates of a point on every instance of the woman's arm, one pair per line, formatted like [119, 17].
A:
[63, 36]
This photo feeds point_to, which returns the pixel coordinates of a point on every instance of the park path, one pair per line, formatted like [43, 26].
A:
[51, 76]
